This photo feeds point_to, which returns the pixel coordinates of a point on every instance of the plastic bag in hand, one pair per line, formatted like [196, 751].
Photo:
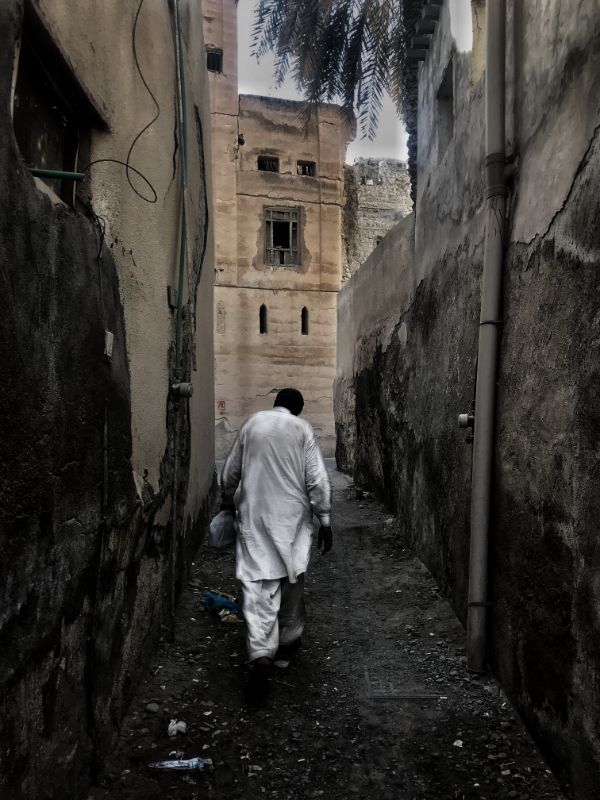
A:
[221, 533]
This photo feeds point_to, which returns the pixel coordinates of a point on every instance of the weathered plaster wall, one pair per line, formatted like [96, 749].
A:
[376, 197]
[251, 367]
[220, 31]
[367, 311]
[89, 559]
[144, 237]
[545, 536]
[396, 406]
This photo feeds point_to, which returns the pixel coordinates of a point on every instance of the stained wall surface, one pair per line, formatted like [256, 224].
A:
[95, 450]
[406, 372]
[250, 366]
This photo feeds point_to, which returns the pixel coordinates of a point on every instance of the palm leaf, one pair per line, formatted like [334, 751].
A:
[345, 51]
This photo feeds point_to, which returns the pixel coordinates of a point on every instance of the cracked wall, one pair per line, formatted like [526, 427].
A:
[405, 371]
[93, 553]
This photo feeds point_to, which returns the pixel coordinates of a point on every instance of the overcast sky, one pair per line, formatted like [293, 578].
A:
[257, 78]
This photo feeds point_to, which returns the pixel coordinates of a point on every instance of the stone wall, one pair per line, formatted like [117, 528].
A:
[376, 197]
[94, 449]
[407, 366]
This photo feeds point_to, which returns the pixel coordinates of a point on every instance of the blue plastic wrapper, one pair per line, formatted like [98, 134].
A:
[215, 601]
[183, 763]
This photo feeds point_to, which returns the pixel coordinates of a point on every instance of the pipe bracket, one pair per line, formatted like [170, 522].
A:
[476, 604]
[181, 389]
[495, 165]
[490, 322]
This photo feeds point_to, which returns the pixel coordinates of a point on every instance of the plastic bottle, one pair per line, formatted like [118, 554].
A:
[183, 763]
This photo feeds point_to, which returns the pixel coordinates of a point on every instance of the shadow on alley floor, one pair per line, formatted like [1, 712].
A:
[377, 704]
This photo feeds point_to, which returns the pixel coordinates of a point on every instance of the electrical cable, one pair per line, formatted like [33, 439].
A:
[143, 79]
[100, 224]
[128, 168]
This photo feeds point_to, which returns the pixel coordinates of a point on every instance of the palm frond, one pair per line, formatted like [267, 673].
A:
[345, 51]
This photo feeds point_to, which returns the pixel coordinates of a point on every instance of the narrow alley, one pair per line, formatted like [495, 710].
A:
[377, 703]
[387, 211]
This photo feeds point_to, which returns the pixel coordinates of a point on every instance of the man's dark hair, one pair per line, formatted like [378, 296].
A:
[291, 399]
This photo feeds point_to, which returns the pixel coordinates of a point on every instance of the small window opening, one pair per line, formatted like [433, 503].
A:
[304, 321]
[52, 116]
[307, 168]
[281, 236]
[378, 241]
[445, 110]
[214, 59]
[221, 317]
[262, 320]
[268, 164]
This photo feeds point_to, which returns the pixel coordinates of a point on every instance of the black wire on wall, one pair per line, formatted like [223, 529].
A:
[153, 197]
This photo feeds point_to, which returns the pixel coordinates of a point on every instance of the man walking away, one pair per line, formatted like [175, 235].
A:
[278, 471]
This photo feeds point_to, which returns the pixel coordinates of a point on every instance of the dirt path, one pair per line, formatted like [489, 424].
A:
[377, 704]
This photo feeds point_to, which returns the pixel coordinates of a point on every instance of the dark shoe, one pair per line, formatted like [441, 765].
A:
[258, 683]
[286, 651]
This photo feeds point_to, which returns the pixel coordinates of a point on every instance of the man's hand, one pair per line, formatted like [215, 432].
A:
[325, 538]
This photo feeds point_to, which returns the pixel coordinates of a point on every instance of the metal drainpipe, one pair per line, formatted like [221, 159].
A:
[179, 389]
[182, 107]
[483, 446]
[38, 172]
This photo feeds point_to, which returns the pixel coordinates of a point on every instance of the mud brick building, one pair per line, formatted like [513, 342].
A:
[278, 194]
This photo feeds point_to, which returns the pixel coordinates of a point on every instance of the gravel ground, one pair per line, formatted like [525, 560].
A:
[377, 703]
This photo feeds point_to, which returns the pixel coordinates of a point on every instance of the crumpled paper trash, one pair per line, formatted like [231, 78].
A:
[176, 726]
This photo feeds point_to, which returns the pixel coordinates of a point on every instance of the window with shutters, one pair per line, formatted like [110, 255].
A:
[267, 164]
[281, 236]
[307, 168]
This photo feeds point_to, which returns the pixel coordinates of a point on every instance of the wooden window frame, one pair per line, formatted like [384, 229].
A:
[40, 59]
[307, 169]
[265, 161]
[276, 255]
